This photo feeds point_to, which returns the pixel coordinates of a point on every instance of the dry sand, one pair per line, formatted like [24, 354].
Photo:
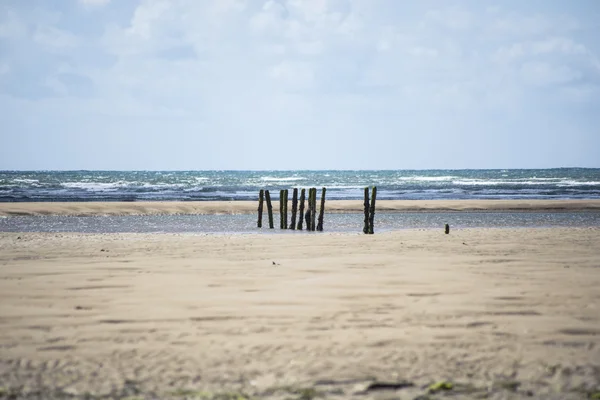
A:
[245, 207]
[499, 313]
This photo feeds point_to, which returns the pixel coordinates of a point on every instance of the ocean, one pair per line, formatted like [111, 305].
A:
[559, 183]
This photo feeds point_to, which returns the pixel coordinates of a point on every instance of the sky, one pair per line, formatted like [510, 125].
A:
[299, 84]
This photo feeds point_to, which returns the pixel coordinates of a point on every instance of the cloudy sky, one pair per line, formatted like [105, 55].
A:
[299, 84]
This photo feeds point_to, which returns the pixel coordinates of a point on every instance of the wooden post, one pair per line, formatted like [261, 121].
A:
[269, 208]
[366, 204]
[294, 208]
[285, 209]
[447, 229]
[301, 210]
[281, 209]
[372, 213]
[308, 209]
[308, 205]
[313, 214]
[308, 214]
[321, 211]
[261, 194]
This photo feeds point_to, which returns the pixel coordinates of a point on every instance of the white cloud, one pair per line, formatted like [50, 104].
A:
[269, 19]
[146, 16]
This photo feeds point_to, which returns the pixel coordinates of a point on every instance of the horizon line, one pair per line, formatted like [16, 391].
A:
[285, 170]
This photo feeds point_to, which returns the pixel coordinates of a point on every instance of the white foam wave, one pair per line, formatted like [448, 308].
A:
[162, 185]
[538, 179]
[343, 186]
[529, 182]
[286, 179]
[578, 183]
[96, 186]
[112, 186]
[19, 180]
[491, 182]
[427, 178]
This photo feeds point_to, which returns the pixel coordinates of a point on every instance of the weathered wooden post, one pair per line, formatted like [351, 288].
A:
[366, 204]
[261, 194]
[308, 214]
[281, 209]
[308, 211]
[285, 209]
[447, 229]
[269, 208]
[321, 211]
[313, 214]
[372, 213]
[301, 210]
[294, 208]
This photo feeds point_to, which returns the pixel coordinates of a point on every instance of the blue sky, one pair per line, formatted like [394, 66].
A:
[299, 84]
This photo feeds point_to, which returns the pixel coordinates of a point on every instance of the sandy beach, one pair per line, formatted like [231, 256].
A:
[494, 313]
[249, 207]
[432, 230]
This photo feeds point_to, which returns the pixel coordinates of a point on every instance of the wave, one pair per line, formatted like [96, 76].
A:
[427, 178]
[578, 183]
[24, 180]
[112, 186]
[285, 179]
[529, 182]
[334, 186]
[94, 186]
[244, 185]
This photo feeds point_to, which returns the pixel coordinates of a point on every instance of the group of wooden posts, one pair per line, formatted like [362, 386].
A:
[310, 217]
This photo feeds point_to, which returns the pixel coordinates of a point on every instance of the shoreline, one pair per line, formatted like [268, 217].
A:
[250, 207]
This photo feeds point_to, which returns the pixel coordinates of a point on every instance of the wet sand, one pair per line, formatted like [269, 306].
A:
[249, 207]
[496, 313]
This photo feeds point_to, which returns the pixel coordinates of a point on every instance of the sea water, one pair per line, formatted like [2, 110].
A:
[333, 222]
[559, 183]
